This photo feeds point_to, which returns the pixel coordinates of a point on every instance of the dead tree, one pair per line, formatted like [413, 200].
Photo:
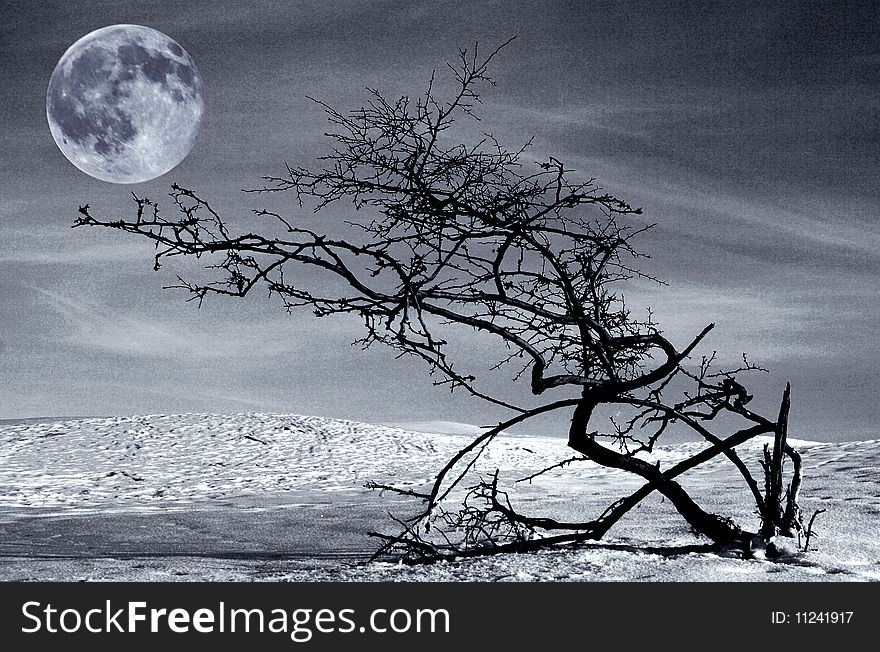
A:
[782, 513]
[449, 238]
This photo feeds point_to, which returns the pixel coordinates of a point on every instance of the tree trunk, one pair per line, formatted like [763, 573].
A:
[719, 529]
[781, 510]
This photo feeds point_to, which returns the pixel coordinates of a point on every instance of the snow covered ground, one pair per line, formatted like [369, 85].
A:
[261, 496]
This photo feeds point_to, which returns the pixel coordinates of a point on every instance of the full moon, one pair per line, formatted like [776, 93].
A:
[125, 103]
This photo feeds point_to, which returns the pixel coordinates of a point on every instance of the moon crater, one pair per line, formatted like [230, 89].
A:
[125, 103]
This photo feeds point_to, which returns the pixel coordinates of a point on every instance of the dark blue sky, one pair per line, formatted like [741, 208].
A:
[749, 131]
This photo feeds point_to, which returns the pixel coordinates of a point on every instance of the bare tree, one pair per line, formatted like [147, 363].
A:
[473, 237]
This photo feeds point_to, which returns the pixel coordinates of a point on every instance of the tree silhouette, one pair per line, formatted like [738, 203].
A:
[462, 240]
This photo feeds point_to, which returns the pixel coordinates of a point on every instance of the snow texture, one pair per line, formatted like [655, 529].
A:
[259, 471]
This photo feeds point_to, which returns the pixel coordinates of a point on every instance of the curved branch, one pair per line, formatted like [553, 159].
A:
[485, 438]
[708, 436]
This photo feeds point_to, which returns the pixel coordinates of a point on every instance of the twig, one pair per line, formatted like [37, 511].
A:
[558, 465]
[810, 528]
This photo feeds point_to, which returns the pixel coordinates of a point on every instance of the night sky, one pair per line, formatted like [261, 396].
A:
[748, 131]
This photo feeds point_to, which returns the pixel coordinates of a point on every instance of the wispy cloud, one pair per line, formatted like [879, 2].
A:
[40, 254]
[762, 322]
[89, 325]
